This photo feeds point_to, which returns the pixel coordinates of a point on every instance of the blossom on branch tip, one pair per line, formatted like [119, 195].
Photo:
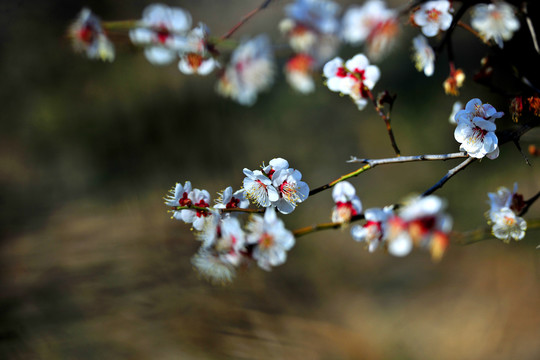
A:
[504, 207]
[356, 77]
[476, 129]
[433, 17]
[88, 36]
[372, 23]
[269, 238]
[454, 81]
[250, 71]
[178, 196]
[496, 21]
[199, 198]
[424, 56]
[162, 32]
[197, 58]
[347, 203]
[373, 231]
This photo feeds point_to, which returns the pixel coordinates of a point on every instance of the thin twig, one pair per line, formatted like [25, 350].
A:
[402, 159]
[371, 163]
[203, 208]
[386, 121]
[448, 175]
[245, 19]
[324, 226]
[530, 26]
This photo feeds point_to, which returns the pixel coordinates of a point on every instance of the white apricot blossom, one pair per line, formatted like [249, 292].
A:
[270, 238]
[424, 56]
[433, 17]
[356, 77]
[347, 203]
[476, 129]
[371, 23]
[250, 71]
[162, 31]
[88, 36]
[496, 21]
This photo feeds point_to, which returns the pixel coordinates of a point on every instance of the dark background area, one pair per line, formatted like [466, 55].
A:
[93, 267]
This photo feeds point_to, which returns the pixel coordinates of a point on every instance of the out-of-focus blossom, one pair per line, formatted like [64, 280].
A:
[516, 108]
[88, 36]
[424, 56]
[298, 72]
[507, 225]
[311, 27]
[534, 105]
[373, 231]
[455, 108]
[496, 21]
[421, 222]
[270, 238]
[212, 267]
[162, 32]
[452, 84]
[504, 207]
[225, 238]
[250, 71]
[373, 24]
[347, 203]
[476, 129]
[197, 58]
[433, 17]
[354, 78]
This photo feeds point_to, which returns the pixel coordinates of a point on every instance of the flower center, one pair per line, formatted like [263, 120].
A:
[162, 33]
[266, 241]
[203, 213]
[289, 192]
[233, 204]
[184, 201]
[194, 60]
[509, 221]
[433, 14]
[86, 33]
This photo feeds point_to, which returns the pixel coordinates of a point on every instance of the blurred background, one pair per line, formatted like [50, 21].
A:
[93, 266]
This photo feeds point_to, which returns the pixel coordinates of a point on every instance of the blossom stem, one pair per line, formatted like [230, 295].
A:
[194, 207]
[119, 25]
[324, 226]
[448, 175]
[245, 19]
[472, 31]
[386, 118]
[484, 233]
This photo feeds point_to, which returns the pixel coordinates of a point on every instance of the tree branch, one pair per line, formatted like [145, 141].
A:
[245, 19]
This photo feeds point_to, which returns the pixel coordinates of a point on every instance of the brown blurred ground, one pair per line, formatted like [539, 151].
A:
[92, 266]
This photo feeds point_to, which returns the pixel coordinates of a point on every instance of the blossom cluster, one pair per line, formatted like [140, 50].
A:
[420, 222]
[476, 129]
[227, 246]
[503, 215]
[314, 30]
